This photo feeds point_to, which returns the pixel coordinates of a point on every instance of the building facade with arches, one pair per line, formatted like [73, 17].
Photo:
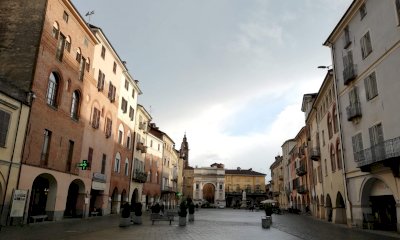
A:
[209, 185]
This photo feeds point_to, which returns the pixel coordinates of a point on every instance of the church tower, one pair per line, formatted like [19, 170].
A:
[184, 151]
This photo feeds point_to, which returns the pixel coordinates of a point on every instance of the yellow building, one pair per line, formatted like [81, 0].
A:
[249, 181]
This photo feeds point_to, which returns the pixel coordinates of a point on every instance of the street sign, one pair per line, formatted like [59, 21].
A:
[83, 165]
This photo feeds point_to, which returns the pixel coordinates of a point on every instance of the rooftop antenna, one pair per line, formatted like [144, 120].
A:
[88, 14]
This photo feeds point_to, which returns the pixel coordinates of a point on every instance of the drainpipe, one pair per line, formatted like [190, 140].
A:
[349, 211]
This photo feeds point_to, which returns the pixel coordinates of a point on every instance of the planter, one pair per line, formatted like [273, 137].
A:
[191, 217]
[182, 221]
[266, 221]
[137, 220]
[125, 222]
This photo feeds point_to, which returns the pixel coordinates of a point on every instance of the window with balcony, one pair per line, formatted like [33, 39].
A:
[349, 71]
[4, 125]
[366, 46]
[371, 89]
[376, 135]
[358, 147]
[52, 89]
[45, 147]
[76, 99]
[354, 109]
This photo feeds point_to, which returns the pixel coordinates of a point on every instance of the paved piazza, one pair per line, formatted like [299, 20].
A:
[209, 224]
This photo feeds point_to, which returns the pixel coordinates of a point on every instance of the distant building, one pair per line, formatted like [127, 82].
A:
[209, 185]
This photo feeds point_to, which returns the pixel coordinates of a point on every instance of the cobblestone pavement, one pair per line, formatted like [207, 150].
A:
[209, 224]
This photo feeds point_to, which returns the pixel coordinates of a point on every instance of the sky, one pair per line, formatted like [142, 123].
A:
[231, 74]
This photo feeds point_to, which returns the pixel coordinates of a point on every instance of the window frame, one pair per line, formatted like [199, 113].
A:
[366, 45]
[371, 87]
[53, 90]
[5, 118]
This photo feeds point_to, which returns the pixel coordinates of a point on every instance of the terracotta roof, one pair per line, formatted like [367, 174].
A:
[243, 172]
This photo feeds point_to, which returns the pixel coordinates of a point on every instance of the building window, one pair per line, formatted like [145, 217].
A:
[103, 52]
[45, 148]
[65, 16]
[398, 10]
[108, 127]
[68, 44]
[376, 138]
[56, 30]
[363, 11]
[120, 135]
[220, 186]
[96, 118]
[339, 155]
[329, 119]
[70, 155]
[347, 40]
[124, 105]
[126, 167]
[319, 174]
[90, 157]
[114, 67]
[100, 80]
[128, 141]
[117, 163]
[111, 92]
[133, 93]
[126, 85]
[82, 68]
[197, 186]
[333, 158]
[103, 163]
[78, 55]
[366, 47]
[75, 105]
[358, 147]
[4, 124]
[151, 143]
[335, 120]
[87, 65]
[323, 138]
[52, 89]
[371, 89]
[60, 47]
[326, 168]
[131, 113]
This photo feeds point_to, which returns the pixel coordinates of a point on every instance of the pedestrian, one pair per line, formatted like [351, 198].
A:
[162, 209]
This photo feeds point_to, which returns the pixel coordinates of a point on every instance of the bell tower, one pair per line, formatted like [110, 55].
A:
[184, 151]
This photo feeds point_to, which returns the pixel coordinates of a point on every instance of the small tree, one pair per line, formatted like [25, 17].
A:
[126, 211]
[138, 209]
[183, 209]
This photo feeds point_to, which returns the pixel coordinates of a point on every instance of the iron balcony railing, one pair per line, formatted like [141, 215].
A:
[301, 170]
[315, 154]
[99, 177]
[353, 111]
[302, 189]
[139, 176]
[382, 151]
[349, 73]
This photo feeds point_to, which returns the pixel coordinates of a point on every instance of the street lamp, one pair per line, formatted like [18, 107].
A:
[325, 67]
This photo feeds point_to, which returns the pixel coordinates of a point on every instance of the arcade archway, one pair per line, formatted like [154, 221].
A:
[43, 196]
[209, 192]
[75, 199]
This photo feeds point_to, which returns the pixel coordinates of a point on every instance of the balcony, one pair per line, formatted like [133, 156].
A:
[349, 73]
[302, 189]
[301, 170]
[99, 177]
[387, 153]
[139, 176]
[140, 146]
[353, 111]
[167, 189]
[315, 154]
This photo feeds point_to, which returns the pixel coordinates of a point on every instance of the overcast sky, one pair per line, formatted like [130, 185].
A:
[229, 73]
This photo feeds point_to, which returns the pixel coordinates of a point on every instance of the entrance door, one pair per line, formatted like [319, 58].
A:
[209, 192]
[384, 212]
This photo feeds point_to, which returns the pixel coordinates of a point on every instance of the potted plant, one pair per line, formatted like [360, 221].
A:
[125, 219]
[182, 213]
[191, 208]
[137, 219]
[267, 220]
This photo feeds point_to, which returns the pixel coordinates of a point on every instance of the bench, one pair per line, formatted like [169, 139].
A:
[39, 217]
[94, 214]
[157, 217]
